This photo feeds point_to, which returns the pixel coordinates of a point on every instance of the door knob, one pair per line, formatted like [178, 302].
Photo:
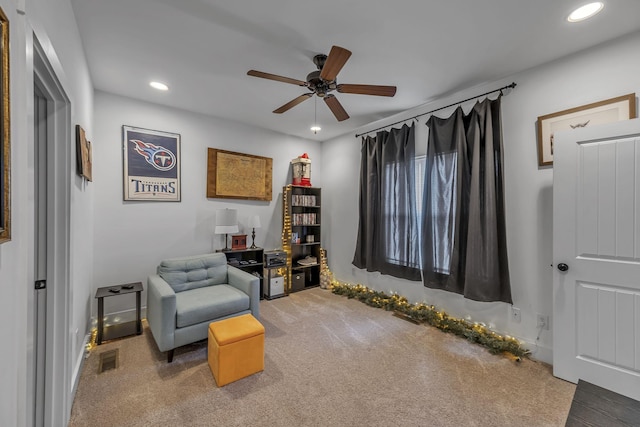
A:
[563, 267]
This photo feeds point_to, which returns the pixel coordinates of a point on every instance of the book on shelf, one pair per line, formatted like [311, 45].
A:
[303, 200]
[308, 218]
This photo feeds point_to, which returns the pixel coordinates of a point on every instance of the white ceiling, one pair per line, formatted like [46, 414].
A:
[427, 48]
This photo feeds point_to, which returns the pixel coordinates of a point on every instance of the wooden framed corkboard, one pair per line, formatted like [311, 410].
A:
[233, 175]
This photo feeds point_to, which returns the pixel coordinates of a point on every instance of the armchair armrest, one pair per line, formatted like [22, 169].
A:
[161, 312]
[247, 283]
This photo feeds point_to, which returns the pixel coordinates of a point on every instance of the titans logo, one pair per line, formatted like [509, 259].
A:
[158, 157]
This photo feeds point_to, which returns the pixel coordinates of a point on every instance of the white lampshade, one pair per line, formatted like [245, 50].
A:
[226, 221]
[254, 221]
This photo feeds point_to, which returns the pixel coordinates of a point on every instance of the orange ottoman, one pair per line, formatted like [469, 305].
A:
[236, 348]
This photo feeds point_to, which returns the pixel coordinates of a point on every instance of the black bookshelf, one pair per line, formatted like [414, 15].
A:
[304, 206]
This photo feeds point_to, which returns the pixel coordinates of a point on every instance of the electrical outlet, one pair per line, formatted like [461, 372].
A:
[543, 322]
[515, 314]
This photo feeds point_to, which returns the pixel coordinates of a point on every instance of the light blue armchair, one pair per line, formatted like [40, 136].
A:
[188, 293]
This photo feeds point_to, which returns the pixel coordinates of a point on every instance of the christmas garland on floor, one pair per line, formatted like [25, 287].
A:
[423, 313]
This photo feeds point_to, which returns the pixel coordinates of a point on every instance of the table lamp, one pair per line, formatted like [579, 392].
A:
[226, 222]
[254, 222]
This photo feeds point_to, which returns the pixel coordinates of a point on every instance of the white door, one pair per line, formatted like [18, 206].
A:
[596, 240]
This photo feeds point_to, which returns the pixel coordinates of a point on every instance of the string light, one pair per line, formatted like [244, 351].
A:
[473, 331]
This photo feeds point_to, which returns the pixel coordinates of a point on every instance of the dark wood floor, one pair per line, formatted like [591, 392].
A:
[596, 406]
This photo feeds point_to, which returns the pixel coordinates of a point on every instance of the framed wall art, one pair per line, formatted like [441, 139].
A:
[83, 154]
[607, 111]
[88, 163]
[238, 176]
[5, 136]
[151, 165]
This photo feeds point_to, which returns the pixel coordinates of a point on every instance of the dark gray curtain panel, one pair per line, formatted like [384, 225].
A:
[388, 235]
[463, 223]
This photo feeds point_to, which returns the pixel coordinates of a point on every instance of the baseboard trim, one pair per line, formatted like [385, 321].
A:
[540, 353]
[79, 365]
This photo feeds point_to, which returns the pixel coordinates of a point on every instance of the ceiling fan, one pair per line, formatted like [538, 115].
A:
[323, 81]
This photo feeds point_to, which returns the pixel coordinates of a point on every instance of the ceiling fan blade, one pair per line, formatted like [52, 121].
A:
[367, 89]
[334, 63]
[289, 105]
[336, 108]
[277, 78]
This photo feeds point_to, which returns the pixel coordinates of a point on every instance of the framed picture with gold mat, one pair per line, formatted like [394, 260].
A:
[5, 143]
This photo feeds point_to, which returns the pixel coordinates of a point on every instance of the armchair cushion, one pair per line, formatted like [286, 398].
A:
[187, 273]
[195, 306]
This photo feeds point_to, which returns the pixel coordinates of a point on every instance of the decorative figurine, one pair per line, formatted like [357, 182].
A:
[301, 170]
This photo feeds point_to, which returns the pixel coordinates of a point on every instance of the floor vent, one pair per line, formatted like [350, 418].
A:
[406, 317]
[108, 361]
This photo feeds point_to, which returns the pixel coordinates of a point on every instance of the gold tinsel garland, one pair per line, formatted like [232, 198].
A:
[423, 313]
[286, 236]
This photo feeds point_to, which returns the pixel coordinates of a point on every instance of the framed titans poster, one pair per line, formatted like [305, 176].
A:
[151, 165]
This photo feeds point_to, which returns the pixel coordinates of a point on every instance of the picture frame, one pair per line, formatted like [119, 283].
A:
[83, 154]
[242, 176]
[5, 134]
[607, 111]
[151, 165]
[88, 162]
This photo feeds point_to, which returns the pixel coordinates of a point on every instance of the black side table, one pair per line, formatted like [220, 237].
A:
[121, 329]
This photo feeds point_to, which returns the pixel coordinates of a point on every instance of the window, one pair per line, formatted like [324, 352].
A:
[388, 230]
[443, 208]
[397, 214]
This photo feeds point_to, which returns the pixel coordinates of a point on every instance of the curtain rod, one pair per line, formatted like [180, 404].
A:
[511, 86]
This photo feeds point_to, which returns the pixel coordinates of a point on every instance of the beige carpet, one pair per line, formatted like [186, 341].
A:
[329, 361]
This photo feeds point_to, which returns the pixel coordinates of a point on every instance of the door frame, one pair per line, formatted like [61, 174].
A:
[58, 388]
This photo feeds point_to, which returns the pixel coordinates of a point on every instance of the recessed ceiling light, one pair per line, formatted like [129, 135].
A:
[159, 85]
[585, 12]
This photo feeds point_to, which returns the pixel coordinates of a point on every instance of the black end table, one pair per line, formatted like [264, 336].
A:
[121, 329]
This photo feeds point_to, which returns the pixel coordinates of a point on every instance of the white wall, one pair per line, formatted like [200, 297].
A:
[53, 23]
[604, 72]
[131, 238]
[13, 280]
